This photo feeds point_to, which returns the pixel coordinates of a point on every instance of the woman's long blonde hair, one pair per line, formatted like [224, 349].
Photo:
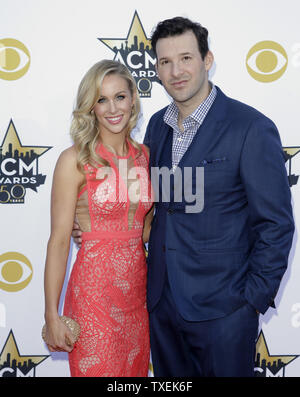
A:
[84, 126]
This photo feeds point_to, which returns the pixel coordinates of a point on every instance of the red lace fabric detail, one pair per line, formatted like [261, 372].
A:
[106, 293]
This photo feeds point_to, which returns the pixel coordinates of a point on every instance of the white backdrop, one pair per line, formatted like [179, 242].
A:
[54, 42]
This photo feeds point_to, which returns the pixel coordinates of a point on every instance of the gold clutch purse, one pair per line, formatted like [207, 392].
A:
[70, 323]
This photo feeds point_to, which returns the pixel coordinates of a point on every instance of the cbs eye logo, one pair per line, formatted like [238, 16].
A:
[15, 271]
[266, 61]
[14, 59]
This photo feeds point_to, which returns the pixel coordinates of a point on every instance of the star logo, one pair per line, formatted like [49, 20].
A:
[136, 53]
[11, 142]
[18, 167]
[136, 33]
[268, 365]
[290, 152]
[13, 364]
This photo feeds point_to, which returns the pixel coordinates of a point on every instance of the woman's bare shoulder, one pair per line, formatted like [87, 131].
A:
[68, 155]
[67, 163]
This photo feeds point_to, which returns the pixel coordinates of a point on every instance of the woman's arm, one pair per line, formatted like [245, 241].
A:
[149, 215]
[66, 182]
[147, 225]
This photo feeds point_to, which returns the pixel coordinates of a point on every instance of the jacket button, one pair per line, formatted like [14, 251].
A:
[170, 211]
[164, 248]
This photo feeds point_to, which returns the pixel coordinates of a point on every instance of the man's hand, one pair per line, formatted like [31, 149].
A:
[76, 234]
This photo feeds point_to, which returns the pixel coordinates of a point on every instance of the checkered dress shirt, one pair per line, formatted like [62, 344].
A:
[183, 139]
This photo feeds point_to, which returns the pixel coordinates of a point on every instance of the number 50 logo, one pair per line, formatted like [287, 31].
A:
[15, 194]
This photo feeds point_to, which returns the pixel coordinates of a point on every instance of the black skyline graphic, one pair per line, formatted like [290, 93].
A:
[273, 366]
[144, 74]
[270, 365]
[24, 366]
[13, 364]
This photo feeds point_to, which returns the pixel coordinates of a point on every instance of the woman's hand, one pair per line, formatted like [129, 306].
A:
[147, 225]
[58, 336]
[76, 234]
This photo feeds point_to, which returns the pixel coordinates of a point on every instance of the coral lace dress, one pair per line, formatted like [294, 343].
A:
[106, 293]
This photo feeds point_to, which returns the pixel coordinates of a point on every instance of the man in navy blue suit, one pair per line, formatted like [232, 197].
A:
[216, 262]
[211, 270]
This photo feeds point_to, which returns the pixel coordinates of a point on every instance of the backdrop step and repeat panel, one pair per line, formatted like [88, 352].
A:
[45, 49]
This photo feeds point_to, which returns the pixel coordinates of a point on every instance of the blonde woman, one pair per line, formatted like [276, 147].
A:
[103, 182]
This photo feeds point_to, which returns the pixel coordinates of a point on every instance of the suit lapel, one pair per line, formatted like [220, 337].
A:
[206, 137]
[209, 132]
[163, 156]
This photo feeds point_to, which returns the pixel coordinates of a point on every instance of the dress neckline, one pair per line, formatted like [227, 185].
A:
[103, 147]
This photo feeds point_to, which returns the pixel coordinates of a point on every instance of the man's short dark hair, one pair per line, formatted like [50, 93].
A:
[177, 26]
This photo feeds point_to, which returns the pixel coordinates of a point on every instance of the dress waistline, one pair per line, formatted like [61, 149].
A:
[126, 234]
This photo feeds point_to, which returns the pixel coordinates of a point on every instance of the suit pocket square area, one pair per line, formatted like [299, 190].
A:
[216, 164]
[217, 161]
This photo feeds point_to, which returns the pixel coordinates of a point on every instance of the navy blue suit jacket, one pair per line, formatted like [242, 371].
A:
[235, 250]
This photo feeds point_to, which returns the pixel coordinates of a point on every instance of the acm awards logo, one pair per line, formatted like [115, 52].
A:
[136, 53]
[15, 365]
[267, 365]
[18, 167]
[14, 59]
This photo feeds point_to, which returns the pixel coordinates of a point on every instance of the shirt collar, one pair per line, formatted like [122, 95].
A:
[198, 115]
